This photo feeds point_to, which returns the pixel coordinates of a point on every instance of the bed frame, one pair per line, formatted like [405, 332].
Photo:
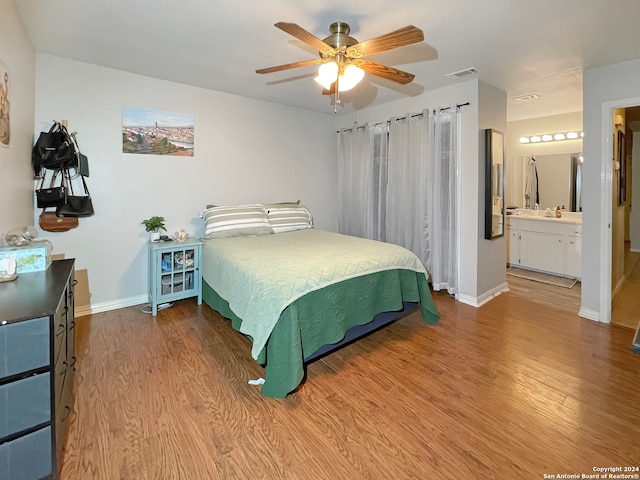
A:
[359, 331]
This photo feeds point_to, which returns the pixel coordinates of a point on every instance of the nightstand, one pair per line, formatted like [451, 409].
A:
[174, 272]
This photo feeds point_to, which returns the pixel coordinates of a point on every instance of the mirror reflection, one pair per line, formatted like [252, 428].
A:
[494, 185]
[549, 181]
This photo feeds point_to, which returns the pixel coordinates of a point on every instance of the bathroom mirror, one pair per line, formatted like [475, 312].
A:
[494, 184]
[559, 181]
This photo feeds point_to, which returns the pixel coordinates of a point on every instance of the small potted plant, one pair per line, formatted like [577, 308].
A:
[153, 225]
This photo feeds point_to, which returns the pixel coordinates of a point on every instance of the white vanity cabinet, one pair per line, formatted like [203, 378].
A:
[546, 244]
[574, 251]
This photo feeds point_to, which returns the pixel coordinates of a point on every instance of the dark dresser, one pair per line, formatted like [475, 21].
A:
[36, 371]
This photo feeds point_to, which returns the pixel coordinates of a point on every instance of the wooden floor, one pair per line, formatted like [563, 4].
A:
[568, 299]
[625, 306]
[512, 390]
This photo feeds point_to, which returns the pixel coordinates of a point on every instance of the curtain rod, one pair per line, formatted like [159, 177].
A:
[443, 109]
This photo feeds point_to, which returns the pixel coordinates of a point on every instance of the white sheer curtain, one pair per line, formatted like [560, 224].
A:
[442, 203]
[362, 178]
[406, 218]
[405, 191]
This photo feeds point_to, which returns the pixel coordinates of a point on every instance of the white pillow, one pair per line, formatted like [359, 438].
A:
[287, 218]
[236, 221]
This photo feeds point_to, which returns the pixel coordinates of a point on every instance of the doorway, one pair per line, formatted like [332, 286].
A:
[625, 254]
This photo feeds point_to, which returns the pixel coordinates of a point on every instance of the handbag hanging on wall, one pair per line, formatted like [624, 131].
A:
[54, 149]
[51, 222]
[51, 196]
[82, 160]
[75, 205]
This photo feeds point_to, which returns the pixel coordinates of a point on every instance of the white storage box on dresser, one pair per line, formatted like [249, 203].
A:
[552, 245]
[37, 357]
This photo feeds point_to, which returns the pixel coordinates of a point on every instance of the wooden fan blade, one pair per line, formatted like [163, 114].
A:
[389, 73]
[331, 89]
[399, 38]
[301, 34]
[303, 63]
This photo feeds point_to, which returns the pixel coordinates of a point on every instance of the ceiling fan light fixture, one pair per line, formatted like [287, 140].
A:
[350, 78]
[327, 74]
[342, 57]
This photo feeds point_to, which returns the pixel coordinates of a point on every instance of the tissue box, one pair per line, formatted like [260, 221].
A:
[34, 257]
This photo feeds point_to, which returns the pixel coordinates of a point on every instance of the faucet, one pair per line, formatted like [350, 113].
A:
[536, 207]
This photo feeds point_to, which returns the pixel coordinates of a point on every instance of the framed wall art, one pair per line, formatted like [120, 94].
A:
[156, 132]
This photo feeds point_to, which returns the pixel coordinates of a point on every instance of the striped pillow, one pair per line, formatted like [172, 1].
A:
[243, 220]
[288, 218]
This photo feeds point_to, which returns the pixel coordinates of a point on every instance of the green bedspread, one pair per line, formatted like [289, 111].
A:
[260, 276]
[323, 314]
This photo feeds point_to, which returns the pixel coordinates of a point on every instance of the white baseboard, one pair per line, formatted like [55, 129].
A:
[589, 314]
[113, 305]
[484, 298]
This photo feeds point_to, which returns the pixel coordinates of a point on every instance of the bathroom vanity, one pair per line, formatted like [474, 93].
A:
[546, 244]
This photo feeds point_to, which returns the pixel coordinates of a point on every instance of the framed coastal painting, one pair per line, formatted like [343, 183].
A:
[156, 132]
[5, 105]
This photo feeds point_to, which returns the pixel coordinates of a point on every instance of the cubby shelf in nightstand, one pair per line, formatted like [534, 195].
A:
[174, 272]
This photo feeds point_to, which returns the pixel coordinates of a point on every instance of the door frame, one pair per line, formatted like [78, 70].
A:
[606, 205]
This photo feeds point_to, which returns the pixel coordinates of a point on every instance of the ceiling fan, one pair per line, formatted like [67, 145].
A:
[342, 58]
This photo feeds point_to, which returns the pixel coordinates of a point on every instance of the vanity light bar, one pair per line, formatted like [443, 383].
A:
[552, 137]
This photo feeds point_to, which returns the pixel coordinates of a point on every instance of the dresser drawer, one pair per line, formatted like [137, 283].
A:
[28, 457]
[24, 403]
[24, 346]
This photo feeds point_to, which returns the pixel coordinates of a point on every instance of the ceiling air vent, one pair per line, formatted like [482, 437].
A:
[462, 73]
[526, 98]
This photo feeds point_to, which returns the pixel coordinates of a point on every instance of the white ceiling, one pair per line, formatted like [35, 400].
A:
[519, 46]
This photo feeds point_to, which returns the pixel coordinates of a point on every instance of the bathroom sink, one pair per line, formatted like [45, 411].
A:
[569, 217]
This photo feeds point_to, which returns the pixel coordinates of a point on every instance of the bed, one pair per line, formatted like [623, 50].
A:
[300, 292]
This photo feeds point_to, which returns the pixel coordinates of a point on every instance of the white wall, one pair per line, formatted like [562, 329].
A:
[16, 52]
[245, 151]
[604, 88]
[492, 268]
